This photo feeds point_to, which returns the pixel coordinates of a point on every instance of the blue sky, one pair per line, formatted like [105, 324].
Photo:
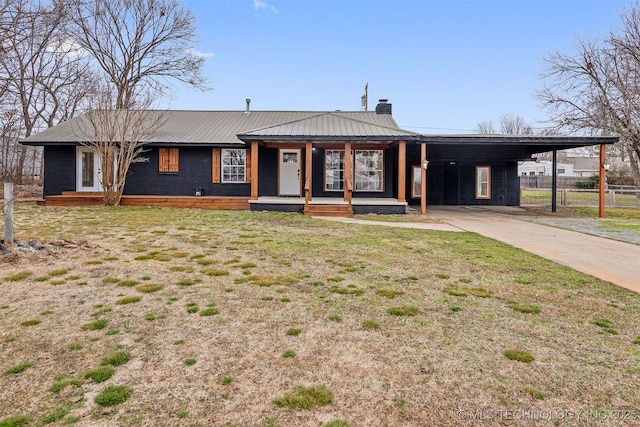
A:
[444, 65]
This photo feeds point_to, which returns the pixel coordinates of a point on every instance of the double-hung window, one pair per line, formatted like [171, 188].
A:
[367, 171]
[234, 165]
[483, 182]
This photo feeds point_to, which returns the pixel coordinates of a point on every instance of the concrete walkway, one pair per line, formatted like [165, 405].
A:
[609, 260]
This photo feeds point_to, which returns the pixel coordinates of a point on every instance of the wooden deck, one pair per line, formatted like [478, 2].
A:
[71, 198]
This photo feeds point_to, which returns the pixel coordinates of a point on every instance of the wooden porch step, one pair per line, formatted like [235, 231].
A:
[328, 210]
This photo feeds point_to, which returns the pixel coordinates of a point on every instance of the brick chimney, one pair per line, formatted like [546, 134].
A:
[383, 107]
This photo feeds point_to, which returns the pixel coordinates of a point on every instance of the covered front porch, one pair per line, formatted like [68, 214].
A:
[328, 165]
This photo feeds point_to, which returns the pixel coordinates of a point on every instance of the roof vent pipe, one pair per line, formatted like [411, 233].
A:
[248, 105]
[383, 107]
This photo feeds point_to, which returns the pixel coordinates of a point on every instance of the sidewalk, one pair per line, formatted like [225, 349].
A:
[609, 260]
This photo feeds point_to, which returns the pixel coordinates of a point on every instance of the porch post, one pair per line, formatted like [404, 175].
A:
[308, 171]
[423, 180]
[402, 171]
[254, 170]
[554, 180]
[347, 172]
[603, 151]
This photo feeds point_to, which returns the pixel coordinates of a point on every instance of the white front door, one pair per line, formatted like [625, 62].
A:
[88, 171]
[290, 173]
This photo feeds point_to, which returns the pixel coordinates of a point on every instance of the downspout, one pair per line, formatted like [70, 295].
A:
[554, 181]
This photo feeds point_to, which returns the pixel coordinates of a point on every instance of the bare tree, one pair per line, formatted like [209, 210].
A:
[118, 137]
[142, 46]
[509, 125]
[486, 128]
[514, 125]
[595, 90]
[43, 77]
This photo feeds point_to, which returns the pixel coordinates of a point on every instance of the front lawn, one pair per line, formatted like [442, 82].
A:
[263, 319]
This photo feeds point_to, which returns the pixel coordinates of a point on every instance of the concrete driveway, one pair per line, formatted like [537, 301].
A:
[609, 260]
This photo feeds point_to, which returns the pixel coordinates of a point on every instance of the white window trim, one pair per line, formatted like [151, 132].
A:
[353, 172]
[222, 166]
[480, 190]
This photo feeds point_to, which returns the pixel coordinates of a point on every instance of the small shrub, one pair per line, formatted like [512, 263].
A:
[370, 324]
[18, 368]
[294, 332]
[407, 310]
[519, 355]
[113, 395]
[99, 374]
[306, 397]
[190, 362]
[116, 359]
[523, 308]
[31, 322]
[149, 287]
[289, 353]
[128, 300]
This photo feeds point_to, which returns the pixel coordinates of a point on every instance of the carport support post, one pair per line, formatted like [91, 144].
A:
[254, 170]
[554, 181]
[423, 180]
[603, 152]
[8, 213]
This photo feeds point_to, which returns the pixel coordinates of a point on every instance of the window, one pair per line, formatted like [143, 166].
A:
[483, 182]
[168, 160]
[416, 182]
[234, 165]
[561, 170]
[334, 170]
[367, 170]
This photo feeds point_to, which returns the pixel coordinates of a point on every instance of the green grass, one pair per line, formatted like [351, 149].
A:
[31, 322]
[19, 276]
[370, 324]
[211, 311]
[464, 292]
[389, 293]
[113, 395]
[99, 374]
[407, 310]
[519, 355]
[225, 380]
[289, 353]
[95, 326]
[18, 368]
[536, 394]
[524, 308]
[346, 291]
[190, 362]
[306, 397]
[116, 358]
[128, 300]
[15, 421]
[292, 332]
[149, 287]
